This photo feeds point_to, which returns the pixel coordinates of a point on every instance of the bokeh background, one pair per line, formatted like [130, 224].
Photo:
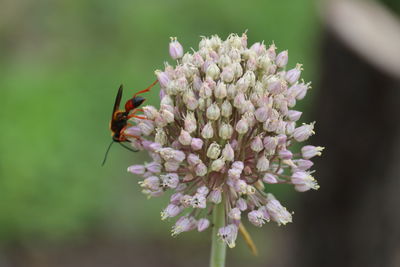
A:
[61, 63]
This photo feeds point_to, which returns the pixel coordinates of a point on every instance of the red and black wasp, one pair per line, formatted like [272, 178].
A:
[119, 118]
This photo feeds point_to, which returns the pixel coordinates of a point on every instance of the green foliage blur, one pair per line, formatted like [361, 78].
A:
[61, 63]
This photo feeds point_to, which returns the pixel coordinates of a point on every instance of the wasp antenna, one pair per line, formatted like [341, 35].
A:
[130, 149]
[105, 156]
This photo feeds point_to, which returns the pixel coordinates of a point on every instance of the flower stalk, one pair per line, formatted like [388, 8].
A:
[218, 247]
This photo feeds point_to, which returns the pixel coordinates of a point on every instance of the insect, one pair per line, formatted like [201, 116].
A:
[119, 118]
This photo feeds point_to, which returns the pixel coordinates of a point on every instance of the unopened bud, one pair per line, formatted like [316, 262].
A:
[217, 164]
[185, 138]
[227, 153]
[225, 131]
[190, 122]
[262, 164]
[196, 144]
[213, 151]
[175, 49]
[257, 144]
[207, 132]
[242, 126]
[282, 59]
[226, 109]
[213, 112]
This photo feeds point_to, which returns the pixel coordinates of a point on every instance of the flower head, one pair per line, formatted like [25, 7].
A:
[225, 125]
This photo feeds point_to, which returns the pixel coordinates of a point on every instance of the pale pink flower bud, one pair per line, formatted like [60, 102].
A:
[256, 218]
[190, 122]
[242, 85]
[160, 137]
[231, 91]
[185, 138]
[215, 196]
[217, 164]
[241, 204]
[270, 178]
[150, 112]
[171, 166]
[179, 156]
[262, 164]
[240, 186]
[175, 49]
[226, 109]
[162, 78]
[213, 151]
[137, 169]
[170, 211]
[227, 153]
[271, 52]
[153, 167]
[176, 145]
[282, 59]
[225, 131]
[170, 180]
[256, 144]
[234, 214]
[242, 126]
[203, 190]
[192, 103]
[197, 60]
[303, 132]
[207, 132]
[220, 91]
[201, 169]
[134, 130]
[234, 173]
[275, 85]
[285, 154]
[303, 181]
[205, 91]
[261, 114]
[224, 60]
[239, 165]
[193, 159]
[303, 164]
[213, 112]
[202, 224]
[184, 224]
[270, 143]
[239, 101]
[290, 127]
[294, 115]
[146, 127]
[167, 115]
[281, 139]
[196, 144]
[227, 74]
[228, 234]
[176, 198]
[293, 75]
[309, 152]
[150, 183]
[298, 90]
[213, 71]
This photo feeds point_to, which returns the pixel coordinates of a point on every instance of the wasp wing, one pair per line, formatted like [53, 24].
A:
[117, 101]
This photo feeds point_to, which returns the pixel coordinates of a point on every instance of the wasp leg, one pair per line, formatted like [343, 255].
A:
[136, 116]
[147, 89]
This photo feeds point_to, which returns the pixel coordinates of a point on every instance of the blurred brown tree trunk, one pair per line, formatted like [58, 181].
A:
[354, 219]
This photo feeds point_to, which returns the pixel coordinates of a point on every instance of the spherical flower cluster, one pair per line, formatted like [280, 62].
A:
[224, 129]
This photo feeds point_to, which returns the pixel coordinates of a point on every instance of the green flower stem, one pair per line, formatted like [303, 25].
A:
[218, 247]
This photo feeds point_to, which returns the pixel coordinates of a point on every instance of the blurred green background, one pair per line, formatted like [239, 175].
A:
[61, 63]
